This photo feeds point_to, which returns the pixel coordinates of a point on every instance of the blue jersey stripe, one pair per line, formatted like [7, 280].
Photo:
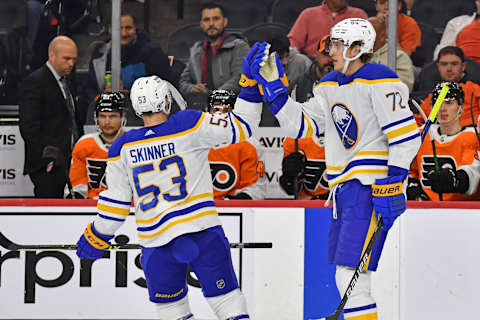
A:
[366, 162]
[405, 139]
[177, 213]
[234, 137]
[370, 306]
[114, 201]
[244, 123]
[302, 127]
[110, 218]
[397, 122]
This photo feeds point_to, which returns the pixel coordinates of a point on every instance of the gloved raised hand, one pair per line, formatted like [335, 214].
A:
[388, 198]
[415, 191]
[250, 91]
[447, 180]
[267, 69]
[92, 243]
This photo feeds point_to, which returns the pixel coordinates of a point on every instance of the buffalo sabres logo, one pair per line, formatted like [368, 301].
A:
[346, 124]
[224, 176]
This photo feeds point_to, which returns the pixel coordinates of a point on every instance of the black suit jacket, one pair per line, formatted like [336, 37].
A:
[44, 117]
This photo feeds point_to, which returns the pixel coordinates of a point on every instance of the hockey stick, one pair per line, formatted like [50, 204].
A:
[473, 119]
[12, 246]
[358, 270]
[433, 113]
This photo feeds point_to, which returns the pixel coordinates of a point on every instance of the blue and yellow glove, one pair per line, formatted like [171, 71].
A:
[388, 198]
[250, 91]
[267, 69]
[92, 244]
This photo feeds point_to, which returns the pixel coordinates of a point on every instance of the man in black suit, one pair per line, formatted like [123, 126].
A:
[50, 122]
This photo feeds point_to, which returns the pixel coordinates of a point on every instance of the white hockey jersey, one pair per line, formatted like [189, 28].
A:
[367, 122]
[165, 169]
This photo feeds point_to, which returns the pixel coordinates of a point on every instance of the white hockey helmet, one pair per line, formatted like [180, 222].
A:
[352, 30]
[151, 94]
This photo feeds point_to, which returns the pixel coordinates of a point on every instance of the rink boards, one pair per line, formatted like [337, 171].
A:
[427, 271]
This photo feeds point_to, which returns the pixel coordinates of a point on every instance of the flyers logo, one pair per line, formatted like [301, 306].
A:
[96, 173]
[315, 174]
[224, 176]
[346, 125]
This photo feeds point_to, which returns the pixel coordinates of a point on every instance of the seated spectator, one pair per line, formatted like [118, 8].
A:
[408, 32]
[139, 58]
[315, 22]
[453, 28]
[301, 89]
[216, 61]
[452, 67]
[237, 169]
[404, 68]
[468, 39]
[307, 166]
[453, 145]
[294, 63]
[89, 156]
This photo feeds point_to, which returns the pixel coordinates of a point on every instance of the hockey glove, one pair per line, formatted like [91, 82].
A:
[268, 71]
[388, 199]
[293, 165]
[92, 243]
[415, 191]
[448, 181]
[250, 91]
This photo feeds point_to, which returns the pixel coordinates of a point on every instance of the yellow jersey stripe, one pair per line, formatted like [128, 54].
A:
[114, 158]
[334, 83]
[240, 129]
[191, 199]
[110, 209]
[402, 131]
[370, 316]
[359, 154]
[327, 83]
[309, 127]
[178, 134]
[345, 178]
[174, 223]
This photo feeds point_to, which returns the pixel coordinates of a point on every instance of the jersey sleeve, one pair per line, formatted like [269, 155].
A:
[473, 172]
[78, 171]
[301, 120]
[390, 104]
[232, 127]
[114, 203]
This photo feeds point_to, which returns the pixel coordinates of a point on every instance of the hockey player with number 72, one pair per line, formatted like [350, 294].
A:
[370, 140]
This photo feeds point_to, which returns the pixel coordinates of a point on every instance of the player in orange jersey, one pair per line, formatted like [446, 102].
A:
[237, 170]
[89, 156]
[308, 165]
[453, 146]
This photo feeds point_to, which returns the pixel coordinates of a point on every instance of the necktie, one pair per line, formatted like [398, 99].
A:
[71, 110]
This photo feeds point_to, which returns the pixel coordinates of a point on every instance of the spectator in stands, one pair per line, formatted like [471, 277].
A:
[139, 58]
[468, 39]
[89, 156]
[301, 89]
[294, 63]
[50, 122]
[314, 23]
[452, 67]
[304, 163]
[215, 62]
[453, 28]
[408, 32]
[237, 169]
[453, 145]
[404, 68]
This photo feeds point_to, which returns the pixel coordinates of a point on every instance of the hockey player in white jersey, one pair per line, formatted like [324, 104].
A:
[164, 168]
[370, 140]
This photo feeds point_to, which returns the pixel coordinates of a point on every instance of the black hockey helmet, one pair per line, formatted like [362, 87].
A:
[455, 92]
[221, 97]
[111, 102]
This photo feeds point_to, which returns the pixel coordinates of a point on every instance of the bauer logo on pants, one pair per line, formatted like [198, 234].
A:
[346, 124]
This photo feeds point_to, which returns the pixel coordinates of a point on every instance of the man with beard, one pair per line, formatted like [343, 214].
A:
[215, 62]
[302, 88]
[139, 58]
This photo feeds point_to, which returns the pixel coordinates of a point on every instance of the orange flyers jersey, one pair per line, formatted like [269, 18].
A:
[89, 160]
[238, 168]
[315, 181]
[452, 152]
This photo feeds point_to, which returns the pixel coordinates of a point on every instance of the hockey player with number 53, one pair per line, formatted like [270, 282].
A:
[370, 140]
[164, 168]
